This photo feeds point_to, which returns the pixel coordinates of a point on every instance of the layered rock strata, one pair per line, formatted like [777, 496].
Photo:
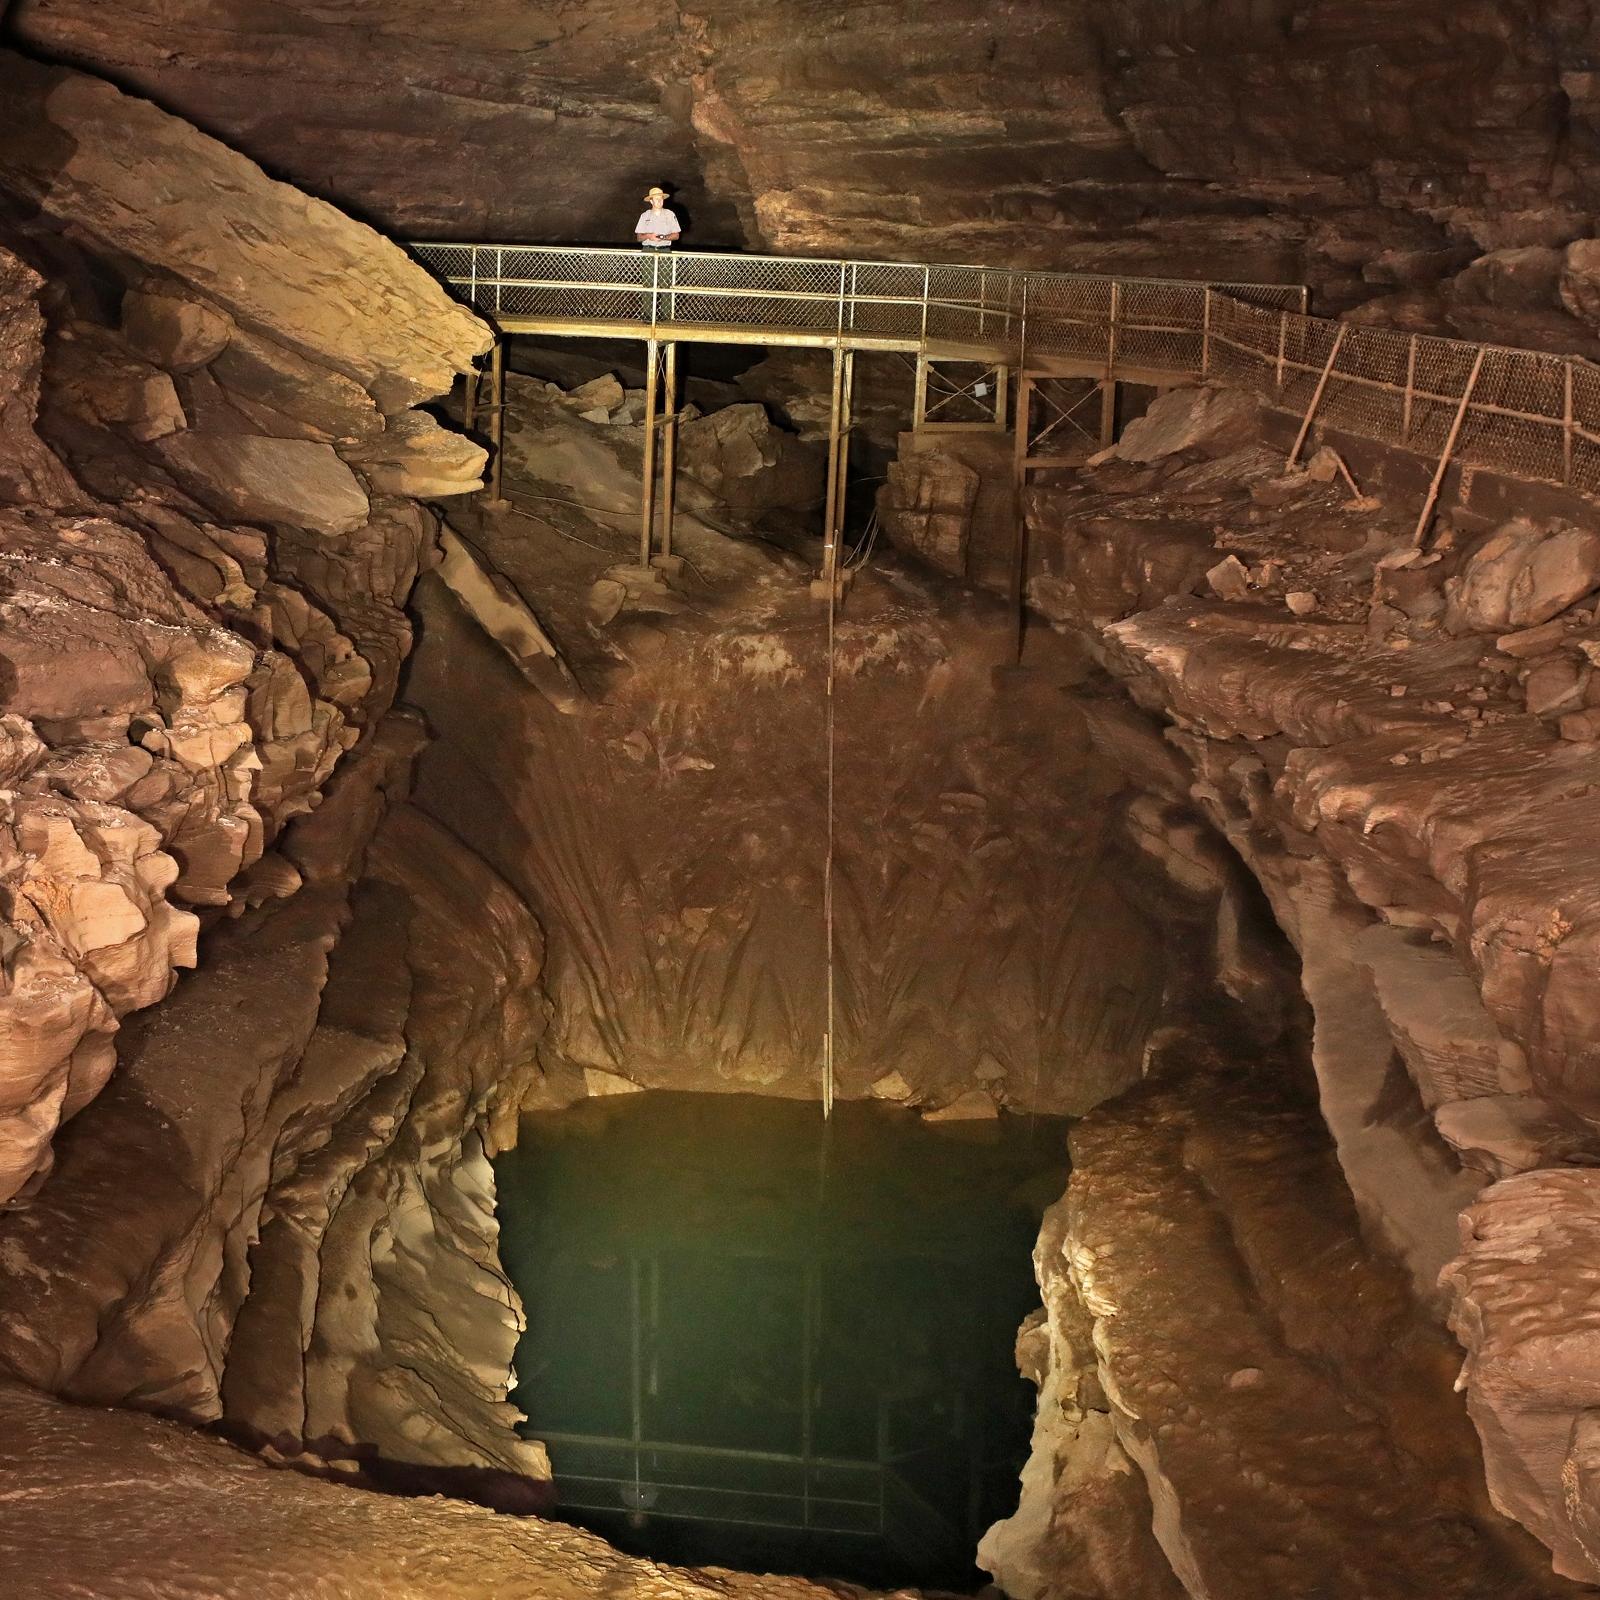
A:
[267, 1202]
[1372, 149]
[1396, 740]
[120, 1506]
[1239, 1397]
[660, 798]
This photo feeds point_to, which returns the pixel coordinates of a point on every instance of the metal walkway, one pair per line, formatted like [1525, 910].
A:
[993, 348]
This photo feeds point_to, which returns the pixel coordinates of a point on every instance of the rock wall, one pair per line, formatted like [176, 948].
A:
[120, 1507]
[260, 1198]
[1394, 739]
[1255, 1406]
[1375, 150]
[662, 806]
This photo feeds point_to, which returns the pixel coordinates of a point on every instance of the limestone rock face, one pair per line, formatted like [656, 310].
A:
[207, 531]
[1374, 149]
[1251, 1387]
[289, 269]
[1523, 576]
[201, 604]
[122, 1506]
[661, 731]
[1215, 420]
[1525, 1308]
[1400, 767]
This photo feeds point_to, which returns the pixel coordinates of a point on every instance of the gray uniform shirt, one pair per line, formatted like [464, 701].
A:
[655, 226]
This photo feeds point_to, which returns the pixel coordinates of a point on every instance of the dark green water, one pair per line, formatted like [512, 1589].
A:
[758, 1341]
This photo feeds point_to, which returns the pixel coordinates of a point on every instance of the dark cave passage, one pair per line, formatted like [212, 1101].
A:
[761, 1340]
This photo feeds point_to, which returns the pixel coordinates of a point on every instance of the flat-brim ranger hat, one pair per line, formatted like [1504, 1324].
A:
[653, 191]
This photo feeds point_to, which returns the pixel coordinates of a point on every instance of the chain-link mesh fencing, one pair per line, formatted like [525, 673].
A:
[1529, 415]
[1134, 322]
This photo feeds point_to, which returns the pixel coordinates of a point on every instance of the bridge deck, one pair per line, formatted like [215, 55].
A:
[745, 333]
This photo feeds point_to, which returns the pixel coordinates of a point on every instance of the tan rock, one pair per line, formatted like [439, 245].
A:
[973, 1106]
[415, 456]
[271, 480]
[147, 187]
[1531, 641]
[1555, 686]
[1522, 576]
[172, 330]
[1213, 420]
[1229, 579]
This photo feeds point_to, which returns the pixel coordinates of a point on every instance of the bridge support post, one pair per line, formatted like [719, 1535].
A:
[669, 445]
[647, 496]
[844, 369]
[1019, 482]
[497, 423]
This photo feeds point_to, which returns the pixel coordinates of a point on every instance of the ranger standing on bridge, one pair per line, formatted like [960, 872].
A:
[658, 227]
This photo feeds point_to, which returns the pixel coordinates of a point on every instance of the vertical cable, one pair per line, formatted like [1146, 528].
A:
[827, 872]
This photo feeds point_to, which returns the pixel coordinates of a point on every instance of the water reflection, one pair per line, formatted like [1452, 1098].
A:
[762, 1341]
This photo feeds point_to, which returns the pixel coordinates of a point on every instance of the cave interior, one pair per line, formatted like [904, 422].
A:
[899, 898]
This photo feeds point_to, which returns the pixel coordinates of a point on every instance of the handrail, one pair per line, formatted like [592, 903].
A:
[1530, 415]
[911, 304]
[1527, 414]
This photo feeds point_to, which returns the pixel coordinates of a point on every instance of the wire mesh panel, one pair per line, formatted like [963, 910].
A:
[1069, 316]
[886, 299]
[756, 292]
[1524, 415]
[1529, 415]
[1584, 435]
[1366, 390]
[1160, 325]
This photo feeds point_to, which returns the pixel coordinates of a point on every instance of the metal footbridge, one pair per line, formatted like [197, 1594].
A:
[991, 346]
[1010, 352]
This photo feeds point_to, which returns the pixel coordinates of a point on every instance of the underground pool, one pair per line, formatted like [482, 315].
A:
[759, 1340]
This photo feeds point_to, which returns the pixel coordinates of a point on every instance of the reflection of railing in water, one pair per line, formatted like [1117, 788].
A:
[765, 1490]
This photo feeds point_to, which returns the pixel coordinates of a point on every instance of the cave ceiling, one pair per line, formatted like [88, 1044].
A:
[1362, 144]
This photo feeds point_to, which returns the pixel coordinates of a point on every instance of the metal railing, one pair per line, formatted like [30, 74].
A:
[1523, 413]
[1158, 323]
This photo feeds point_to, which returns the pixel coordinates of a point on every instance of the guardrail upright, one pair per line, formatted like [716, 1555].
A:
[499, 279]
[1566, 422]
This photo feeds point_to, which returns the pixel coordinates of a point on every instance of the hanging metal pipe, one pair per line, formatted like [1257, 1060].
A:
[830, 504]
[1019, 482]
[846, 421]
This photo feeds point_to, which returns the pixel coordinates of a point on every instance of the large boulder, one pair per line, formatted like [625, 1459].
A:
[1527, 1309]
[279, 263]
[270, 480]
[1522, 575]
[1216, 421]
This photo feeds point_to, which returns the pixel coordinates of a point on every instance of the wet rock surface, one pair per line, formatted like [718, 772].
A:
[1390, 736]
[234, 1206]
[118, 1506]
[669, 826]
